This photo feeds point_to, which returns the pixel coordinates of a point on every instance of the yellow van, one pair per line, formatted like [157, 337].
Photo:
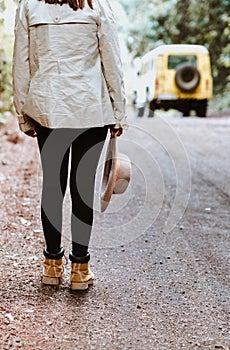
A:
[174, 76]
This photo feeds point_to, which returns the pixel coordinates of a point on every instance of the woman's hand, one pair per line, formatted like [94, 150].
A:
[31, 133]
[115, 132]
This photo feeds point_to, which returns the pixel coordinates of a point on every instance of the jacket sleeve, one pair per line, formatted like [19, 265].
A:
[111, 61]
[21, 68]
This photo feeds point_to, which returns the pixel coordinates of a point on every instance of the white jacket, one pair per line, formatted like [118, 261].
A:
[67, 71]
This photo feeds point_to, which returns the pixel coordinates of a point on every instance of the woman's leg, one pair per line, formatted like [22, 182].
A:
[54, 158]
[86, 151]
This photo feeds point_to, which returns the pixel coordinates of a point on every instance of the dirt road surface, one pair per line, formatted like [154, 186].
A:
[160, 253]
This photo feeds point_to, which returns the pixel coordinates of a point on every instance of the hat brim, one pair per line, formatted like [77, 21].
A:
[124, 174]
[110, 174]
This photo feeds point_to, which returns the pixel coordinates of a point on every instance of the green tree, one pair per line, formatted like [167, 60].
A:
[5, 65]
[204, 22]
[2, 5]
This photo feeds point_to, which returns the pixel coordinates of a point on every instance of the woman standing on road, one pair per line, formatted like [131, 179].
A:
[68, 89]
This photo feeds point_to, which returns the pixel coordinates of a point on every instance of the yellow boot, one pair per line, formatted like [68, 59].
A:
[81, 275]
[52, 268]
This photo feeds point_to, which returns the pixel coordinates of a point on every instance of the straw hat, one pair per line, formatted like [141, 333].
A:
[116, 173]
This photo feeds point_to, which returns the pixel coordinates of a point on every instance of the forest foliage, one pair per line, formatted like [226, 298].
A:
[202, 22]
[5, 67]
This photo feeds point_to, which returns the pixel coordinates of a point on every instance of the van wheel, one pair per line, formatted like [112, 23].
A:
[151, 113]
[202, 109]
[152, 108]
[140, 111]
[186, 113]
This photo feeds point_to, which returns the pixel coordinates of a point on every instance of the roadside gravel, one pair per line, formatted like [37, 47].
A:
[153, 290]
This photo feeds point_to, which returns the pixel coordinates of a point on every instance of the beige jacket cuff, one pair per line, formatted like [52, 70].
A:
[25, 123]
[121, 121]
[120, 115]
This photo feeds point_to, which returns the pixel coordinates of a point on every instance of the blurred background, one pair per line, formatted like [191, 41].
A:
[143, 26]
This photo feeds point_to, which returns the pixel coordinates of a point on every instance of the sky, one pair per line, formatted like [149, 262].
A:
[9, 15]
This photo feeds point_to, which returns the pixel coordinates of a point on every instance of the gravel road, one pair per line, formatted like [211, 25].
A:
[160, 253]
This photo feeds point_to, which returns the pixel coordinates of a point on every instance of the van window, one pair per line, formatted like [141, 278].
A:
[146, 67]
[174, 61]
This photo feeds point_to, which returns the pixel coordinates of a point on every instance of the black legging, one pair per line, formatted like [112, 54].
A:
[54, 145]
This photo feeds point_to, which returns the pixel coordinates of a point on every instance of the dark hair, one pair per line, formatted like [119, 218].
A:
[74, 4]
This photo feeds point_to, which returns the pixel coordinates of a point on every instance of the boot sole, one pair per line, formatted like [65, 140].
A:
[81, 285]
[52, 281]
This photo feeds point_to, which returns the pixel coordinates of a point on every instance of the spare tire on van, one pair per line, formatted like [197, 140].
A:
[187, 77]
